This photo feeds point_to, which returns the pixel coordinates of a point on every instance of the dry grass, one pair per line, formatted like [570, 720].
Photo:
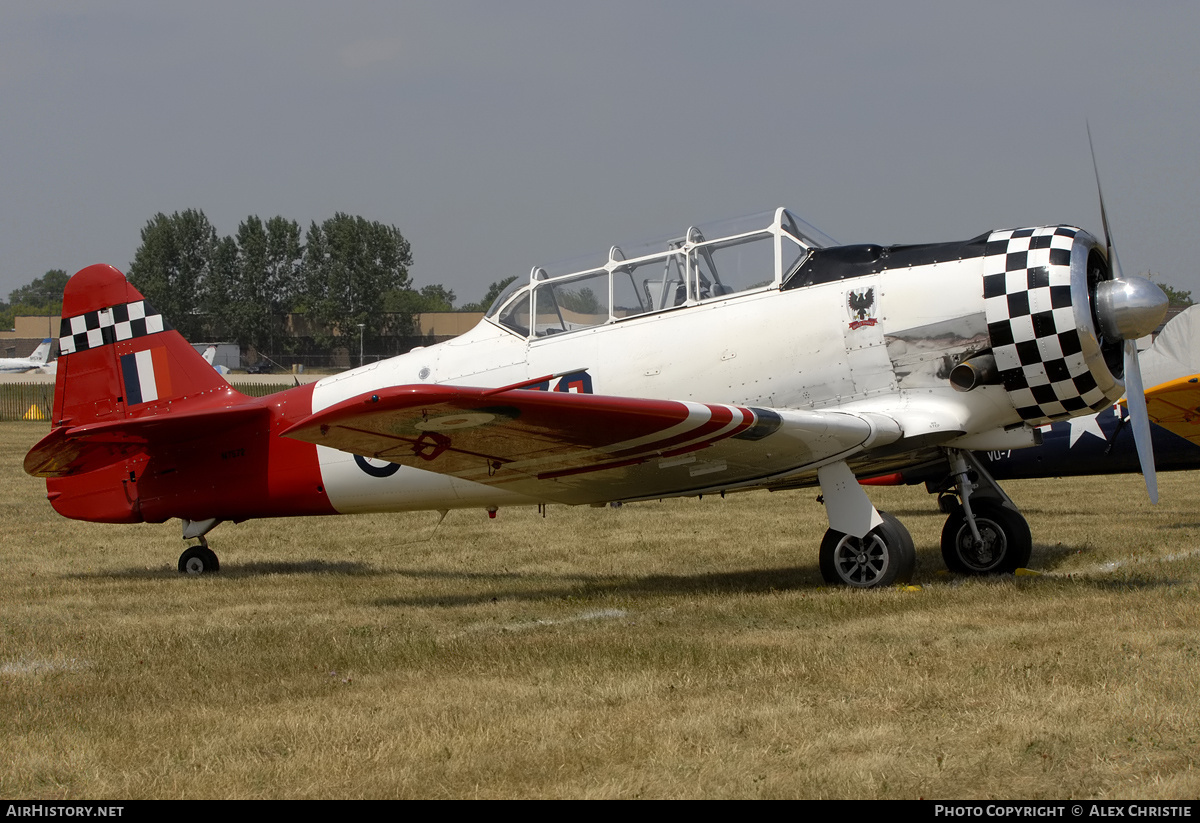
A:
[679, 649]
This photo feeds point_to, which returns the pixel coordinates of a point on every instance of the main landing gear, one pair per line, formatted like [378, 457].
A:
[884, 557]
[198, 559]
[985, 532]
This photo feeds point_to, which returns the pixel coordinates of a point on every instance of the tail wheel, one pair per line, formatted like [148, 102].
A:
[1007, 543]
[884, 557]
[199, 560]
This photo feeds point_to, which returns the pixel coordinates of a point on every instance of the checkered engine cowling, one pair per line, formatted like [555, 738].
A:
[1039, 316]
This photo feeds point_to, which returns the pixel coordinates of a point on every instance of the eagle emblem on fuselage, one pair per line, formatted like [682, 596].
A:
[860, 303]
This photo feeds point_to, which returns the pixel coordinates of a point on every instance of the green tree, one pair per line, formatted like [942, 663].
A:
[493, 292]
[583, 301]
[437, 298]
[410, 301]
[403, 305]
[269, 257]
[171, 265]
[349, 265]
[44, 291]
[41, 297]
[216, 299]
[1177, 297]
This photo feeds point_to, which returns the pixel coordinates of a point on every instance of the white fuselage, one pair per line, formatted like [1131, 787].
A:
[795, 349]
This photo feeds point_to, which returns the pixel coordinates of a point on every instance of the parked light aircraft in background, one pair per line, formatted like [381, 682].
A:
[210, 356]
[752, 354]
[1103, 444]
[37, 360]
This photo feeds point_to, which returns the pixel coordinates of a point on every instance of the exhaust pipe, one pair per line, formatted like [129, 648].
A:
[977, 371]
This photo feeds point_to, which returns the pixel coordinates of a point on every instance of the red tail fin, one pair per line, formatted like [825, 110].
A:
[127, 384]
[120, 358]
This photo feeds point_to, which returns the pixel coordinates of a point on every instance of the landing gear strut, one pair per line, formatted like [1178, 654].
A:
[985, 532]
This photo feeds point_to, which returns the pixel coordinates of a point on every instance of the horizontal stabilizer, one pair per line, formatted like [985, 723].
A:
[69, 450]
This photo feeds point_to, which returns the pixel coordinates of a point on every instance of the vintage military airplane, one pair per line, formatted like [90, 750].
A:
[20, 365]
[753, 354]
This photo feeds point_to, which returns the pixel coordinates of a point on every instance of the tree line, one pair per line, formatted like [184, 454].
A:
[336, 275]
[242, 287]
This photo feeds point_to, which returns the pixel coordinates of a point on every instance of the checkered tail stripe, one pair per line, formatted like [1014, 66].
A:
[110, 325]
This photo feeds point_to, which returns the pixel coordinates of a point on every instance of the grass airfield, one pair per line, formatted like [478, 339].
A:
[682, 649]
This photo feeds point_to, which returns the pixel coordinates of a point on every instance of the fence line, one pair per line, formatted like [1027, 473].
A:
[35, 401]
[26, 401]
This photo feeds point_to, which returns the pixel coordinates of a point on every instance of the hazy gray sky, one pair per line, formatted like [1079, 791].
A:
[497, 135]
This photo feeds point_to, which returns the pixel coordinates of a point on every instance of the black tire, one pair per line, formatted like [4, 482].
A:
[885, 557]
[199, 560]
[1007, 542]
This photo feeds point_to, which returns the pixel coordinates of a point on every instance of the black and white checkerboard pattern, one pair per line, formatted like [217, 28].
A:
[1027, 302]
[98, 328]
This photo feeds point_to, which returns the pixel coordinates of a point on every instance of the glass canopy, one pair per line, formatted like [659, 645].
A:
[707, 262]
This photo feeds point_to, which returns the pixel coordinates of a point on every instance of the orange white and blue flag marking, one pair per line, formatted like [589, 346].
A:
[146, 375]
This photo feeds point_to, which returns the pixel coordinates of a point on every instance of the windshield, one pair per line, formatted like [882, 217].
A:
[502, 298]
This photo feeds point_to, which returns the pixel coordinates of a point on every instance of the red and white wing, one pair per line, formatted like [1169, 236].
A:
[581, 448]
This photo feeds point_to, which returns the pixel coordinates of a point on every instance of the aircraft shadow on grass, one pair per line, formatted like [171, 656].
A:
[240, 571]
[557, 587]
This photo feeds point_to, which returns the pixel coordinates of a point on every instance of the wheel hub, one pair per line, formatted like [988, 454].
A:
[981, 554]
[860, 562]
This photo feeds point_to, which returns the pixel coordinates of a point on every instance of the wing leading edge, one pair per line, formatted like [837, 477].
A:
[585, 448]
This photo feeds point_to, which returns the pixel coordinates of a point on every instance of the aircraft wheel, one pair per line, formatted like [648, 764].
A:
[1007, 542]
[884, 557]
[199, 560]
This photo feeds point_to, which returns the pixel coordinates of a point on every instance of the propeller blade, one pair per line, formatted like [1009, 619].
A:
[1113, 263]
[1122, 315]
[1135, 398]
